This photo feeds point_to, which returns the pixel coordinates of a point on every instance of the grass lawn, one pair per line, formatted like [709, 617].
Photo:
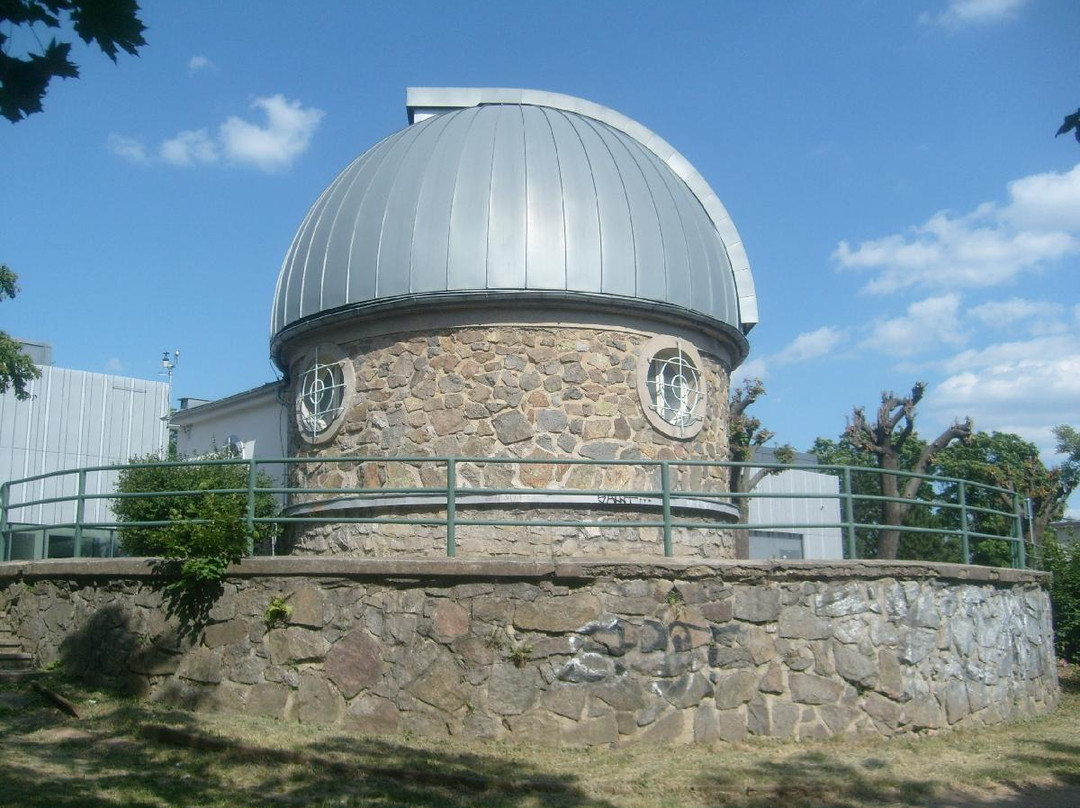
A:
[123, 753]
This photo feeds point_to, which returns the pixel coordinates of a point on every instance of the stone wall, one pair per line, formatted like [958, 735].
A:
[580, 653]
[541, 392]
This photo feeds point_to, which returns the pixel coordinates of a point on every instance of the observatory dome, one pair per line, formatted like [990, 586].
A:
[505, 197]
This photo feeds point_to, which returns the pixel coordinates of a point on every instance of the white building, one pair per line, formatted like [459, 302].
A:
[72, 419]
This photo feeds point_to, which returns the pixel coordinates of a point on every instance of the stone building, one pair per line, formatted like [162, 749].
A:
[515, 274]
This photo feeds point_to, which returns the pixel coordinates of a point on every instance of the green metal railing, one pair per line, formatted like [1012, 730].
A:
[951, 513]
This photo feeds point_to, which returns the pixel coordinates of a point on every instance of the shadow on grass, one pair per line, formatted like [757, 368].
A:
[812, 780]
[56, 762]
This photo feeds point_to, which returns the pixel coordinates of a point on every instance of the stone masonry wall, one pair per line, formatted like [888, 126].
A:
[540, 392]
[575, 653]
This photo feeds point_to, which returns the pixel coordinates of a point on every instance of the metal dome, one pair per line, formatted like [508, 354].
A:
[496, 192]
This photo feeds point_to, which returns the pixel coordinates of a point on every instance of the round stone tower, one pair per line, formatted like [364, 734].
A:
[516, 274]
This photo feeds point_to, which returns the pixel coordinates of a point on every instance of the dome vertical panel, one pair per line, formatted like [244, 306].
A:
[467, 247]
[545, 228]
[291, 282]
[676, 251]
[364, 257]
[581, 226]
[402, 203]
[710, 271]
[616, 232]
[428, 266]
[315, 296]
[336, 274]
[507, 218]
[653, 278]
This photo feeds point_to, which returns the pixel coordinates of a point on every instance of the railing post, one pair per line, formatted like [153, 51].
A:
[665, 493]
[1021, 554]
[849, 515]
[965, 545]
[5, 543]
[252, 473]
[451, 507]
[80, 512]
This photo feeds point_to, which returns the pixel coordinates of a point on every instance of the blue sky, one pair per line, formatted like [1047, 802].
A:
[891, 167]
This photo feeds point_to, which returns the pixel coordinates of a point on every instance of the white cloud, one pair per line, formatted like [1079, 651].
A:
[285, 137]
[1007, 353]
[989, 246]
[114, 365]
[287, 134]
[131, 149]
[754, 369]
[1024, 386]
[811, 345]
[968, 12]
[1039, 317]
[928, 324]
[189, 148]
[199, 63]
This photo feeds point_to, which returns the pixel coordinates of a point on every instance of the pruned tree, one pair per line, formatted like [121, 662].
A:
[1070, 124]
[17, 369]
[112, 25]
[886, 438]
[746, 436]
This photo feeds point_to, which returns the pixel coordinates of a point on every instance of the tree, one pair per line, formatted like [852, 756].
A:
[17, 369]
[886, 439]
[112, 25]
[866, 508]
[1008, 461]
[207, 529]
[745, 436]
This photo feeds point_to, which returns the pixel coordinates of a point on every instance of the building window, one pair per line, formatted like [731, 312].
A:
[674, 384]
[323, 392]
[671, 385]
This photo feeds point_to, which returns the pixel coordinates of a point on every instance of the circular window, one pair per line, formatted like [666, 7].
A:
[322, 392]
[672, 387]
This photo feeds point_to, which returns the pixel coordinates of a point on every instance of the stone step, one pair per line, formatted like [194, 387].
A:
[10, 642]
[8, 676]
[15, 660]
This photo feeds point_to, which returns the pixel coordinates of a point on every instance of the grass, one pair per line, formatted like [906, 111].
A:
[125, 753]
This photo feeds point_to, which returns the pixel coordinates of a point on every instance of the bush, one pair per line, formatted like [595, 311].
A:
[207, 529]
[1064, 563]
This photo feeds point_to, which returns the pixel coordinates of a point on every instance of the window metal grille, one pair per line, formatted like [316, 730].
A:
[674, 385]
[322, 395]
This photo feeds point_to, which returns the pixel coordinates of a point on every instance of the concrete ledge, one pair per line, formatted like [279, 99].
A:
[569, 569]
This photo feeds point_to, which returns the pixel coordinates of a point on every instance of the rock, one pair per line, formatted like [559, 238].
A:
[373, 715]
[806, 688]
[653, 637]
[353, 663]
[512, 427]
[566, 700]
[756, 605]
[450, 620]
[799, 622]
[600, 450]
[773, 680]
[289, 646]
[309, 608]
[551, 420]
[733, 689]
[686, 691]
[316, 701]
[881, 708]
[512, 690]
[441, 685]
[855, 665]
[922, 712]
[230, 633]
[566, 613]
[201, 665]
[589, 667]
